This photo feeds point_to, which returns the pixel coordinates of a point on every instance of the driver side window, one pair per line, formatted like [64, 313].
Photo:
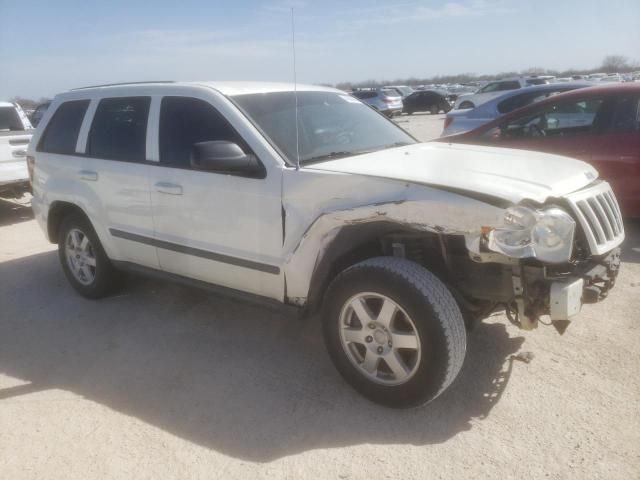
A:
[185, 121]
[563, 119]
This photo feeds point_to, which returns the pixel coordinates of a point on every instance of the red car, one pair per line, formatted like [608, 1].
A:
[599, 125]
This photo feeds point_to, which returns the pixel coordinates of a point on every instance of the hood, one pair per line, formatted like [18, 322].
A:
[512, 175]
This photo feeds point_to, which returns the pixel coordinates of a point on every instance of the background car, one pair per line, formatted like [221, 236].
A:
[384, 100]
[15, 134]
[459, 121]
[495, 88]
[600, 125]
[426, 101]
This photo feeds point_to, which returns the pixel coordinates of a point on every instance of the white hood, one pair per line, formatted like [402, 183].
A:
[513, 175]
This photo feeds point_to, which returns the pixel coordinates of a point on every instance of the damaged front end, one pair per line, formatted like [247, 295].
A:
[559, 256]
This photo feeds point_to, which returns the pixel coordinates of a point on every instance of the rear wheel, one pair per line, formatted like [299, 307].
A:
[394, 331]
[83, 259]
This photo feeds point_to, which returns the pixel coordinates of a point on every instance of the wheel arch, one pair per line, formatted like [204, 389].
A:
[354, 244]
[57, 212]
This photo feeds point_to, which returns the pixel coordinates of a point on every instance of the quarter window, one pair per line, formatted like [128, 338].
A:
[119, 129]
[61, 134]
[185, 121]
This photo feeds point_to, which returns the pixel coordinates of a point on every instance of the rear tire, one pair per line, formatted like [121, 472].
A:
[83, 259]
[417, 310]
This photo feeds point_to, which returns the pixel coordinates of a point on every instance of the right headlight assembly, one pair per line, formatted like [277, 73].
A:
[544, 234]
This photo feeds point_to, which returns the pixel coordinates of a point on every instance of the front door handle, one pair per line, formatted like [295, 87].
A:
[169, 188]
[88, 175]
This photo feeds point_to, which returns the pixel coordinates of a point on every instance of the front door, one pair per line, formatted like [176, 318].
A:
[216, 227]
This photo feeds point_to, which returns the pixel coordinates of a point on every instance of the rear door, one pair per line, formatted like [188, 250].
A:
[115, 177]
[217, 227]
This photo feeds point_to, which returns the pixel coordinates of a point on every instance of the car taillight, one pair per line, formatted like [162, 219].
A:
[389, 100]
[447, 122]
[31, 163]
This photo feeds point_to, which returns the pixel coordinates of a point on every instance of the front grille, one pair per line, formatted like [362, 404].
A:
[599, 215]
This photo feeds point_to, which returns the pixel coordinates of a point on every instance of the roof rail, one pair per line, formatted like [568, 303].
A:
[124, 83]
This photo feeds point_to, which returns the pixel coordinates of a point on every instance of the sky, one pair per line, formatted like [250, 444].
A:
[53, 45]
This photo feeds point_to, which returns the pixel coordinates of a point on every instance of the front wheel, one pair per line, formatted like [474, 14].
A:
[434, 110]
[394, 331]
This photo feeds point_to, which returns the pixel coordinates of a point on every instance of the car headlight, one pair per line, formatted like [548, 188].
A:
[544, 234]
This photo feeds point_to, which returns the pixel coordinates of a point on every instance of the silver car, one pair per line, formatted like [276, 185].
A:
[385, 100]
[458, 121]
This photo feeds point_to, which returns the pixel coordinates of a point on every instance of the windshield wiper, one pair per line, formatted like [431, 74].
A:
[342, 154]
[329, 156]
[393, 145]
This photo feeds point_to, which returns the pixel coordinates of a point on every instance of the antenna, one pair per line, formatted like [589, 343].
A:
[295, 87]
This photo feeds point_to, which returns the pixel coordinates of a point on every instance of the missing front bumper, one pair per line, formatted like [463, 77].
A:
[561, 297]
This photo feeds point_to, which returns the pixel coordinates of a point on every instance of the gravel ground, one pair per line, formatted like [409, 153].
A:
[163, 382]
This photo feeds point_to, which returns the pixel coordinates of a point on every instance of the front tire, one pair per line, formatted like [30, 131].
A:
[394, 331]
[434, 110]
[83, 259]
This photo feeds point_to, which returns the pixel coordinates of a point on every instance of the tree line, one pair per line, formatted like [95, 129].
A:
[610, 64]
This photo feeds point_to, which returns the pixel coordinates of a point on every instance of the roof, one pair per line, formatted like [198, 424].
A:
[226, 88]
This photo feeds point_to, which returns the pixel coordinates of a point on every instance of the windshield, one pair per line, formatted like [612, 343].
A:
[330, 124]
[9, 119]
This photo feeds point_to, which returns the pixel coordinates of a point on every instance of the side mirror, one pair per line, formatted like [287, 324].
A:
[225, 157]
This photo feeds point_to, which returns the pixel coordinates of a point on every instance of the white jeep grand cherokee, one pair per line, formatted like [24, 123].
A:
[401, 242]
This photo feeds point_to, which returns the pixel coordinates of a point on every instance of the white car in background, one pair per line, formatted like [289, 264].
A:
[612, 78]
[495, 89]
[15, 134]
[458, 121]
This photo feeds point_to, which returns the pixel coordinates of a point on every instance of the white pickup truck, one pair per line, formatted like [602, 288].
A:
[305, 197]
[15, 134]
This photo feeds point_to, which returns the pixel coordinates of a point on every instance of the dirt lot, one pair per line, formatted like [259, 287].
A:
[163, 381]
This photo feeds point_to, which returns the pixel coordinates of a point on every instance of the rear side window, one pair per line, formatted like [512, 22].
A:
[185, 121]
[119, 129]
[62, 131]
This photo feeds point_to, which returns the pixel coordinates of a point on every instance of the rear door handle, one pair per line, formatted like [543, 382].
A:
[88, 175]
[169, 188]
